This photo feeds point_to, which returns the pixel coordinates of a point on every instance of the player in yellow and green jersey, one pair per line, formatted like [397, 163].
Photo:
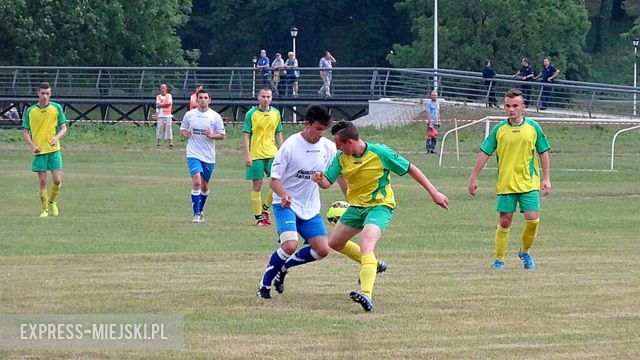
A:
[262, 137]
[518, 143]
[43, 125]
[367, 168]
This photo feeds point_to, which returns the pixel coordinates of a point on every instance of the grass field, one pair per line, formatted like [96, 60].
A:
[124, 244]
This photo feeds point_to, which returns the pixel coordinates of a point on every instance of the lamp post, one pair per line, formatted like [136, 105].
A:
[253, 84]
[294, 34]
[636, 41]
[435, 44]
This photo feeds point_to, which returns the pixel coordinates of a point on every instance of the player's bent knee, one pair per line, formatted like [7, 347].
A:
[289, 241]
[289, 247]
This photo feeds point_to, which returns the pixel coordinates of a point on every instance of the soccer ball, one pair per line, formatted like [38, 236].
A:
[336, 209]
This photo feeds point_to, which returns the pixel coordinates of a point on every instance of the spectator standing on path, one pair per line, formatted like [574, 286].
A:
[293, 73]
[489, 73]
[526, 73]
[433, 121]
[325, 65]
[264, 65]
[164, 106]
[548, 75]
[278, 70]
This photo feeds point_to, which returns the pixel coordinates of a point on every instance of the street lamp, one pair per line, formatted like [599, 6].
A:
[294, 34]
[636, 41]
[253, 87]
[435, 45]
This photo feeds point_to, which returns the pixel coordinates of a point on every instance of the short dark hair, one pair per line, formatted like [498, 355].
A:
[44, 85]
[202, 91]
[513, 93]
[487, 62]
[345, 131]
[317, 113]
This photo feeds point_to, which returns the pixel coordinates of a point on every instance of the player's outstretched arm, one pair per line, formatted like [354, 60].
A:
[473, 179]
[319, 178]
[438, 197]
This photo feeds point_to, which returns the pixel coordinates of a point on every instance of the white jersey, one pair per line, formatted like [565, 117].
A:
[294, 165]
[199, 146]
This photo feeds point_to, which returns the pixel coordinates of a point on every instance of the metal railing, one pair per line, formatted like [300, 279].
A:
[355, 85]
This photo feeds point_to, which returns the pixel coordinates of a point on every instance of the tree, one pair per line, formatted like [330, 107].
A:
[230, 32]
[503, 31]
[92, 33]
[601, 25]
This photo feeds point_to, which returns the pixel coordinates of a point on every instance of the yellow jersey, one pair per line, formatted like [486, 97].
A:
[44, 123]
[517, 149]
[367, 175]
[262, 126]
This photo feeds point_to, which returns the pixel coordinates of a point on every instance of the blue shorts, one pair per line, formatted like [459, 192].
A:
[287, 220]
[197, 166]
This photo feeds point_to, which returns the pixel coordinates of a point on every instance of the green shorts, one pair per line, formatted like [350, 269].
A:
[357, 217]
[45, 162]
[259, 169]
[529, 201]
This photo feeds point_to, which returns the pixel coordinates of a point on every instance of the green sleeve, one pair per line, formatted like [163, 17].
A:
[26, 123]
[279, 127]
[391, 160]
[491, 143]
[62, 118]
[247, 121]
[542, 144]
[335, 169]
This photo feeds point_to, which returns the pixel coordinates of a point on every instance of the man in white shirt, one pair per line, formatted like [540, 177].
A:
[325, 65]
[296, 199]
[203, 127]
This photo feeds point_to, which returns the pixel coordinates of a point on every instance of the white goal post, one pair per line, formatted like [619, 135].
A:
[488, 119]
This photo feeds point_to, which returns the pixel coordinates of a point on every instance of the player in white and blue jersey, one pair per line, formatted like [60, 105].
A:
[296, 199]
[203, 127]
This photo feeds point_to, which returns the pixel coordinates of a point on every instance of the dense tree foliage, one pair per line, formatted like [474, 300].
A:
[357, 32]
[503, 31]
[84, 32]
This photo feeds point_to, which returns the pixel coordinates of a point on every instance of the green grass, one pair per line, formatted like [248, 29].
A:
[124, 244]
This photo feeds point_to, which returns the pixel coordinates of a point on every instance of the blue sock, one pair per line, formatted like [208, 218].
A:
[203, 200]
[303, 256]
[195, 201]
[275, 264]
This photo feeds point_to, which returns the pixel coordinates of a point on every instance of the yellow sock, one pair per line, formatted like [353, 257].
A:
[44, 199]
[268, 201]
[54, 192]
[529, 234]
[256, 203]
[502, 240]
[352, 250]
[368, 273]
